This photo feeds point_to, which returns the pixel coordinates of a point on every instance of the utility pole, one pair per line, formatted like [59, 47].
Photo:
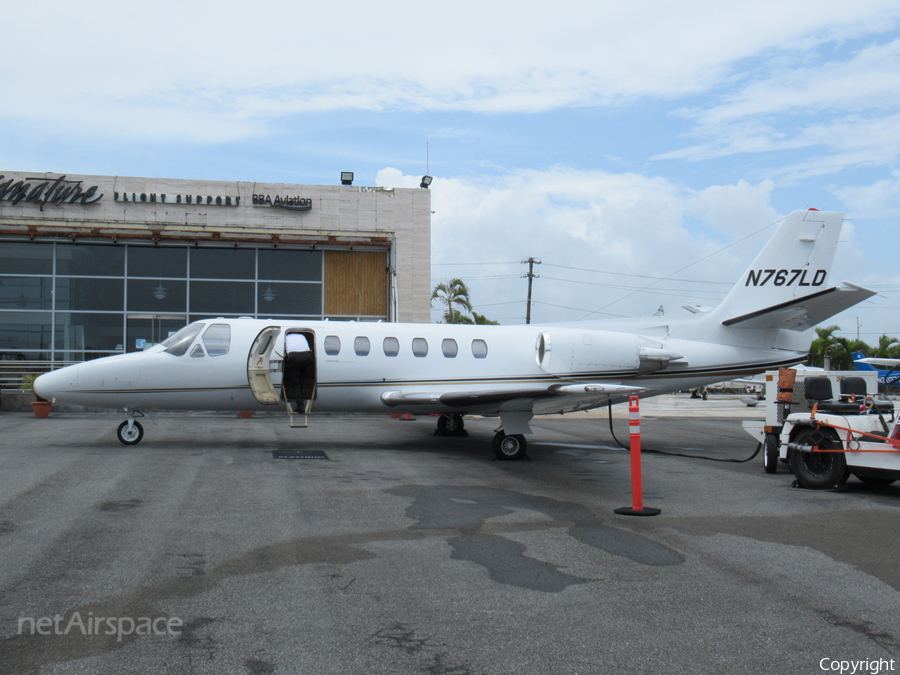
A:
[531, 275]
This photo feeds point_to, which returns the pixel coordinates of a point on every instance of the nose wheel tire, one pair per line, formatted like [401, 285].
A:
[130, 434]
[509, 447]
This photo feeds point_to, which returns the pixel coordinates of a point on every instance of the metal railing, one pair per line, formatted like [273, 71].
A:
[12, 373]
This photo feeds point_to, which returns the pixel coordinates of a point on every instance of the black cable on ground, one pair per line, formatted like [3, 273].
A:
[679, 454]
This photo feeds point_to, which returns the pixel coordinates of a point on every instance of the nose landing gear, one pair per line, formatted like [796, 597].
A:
[130, 432]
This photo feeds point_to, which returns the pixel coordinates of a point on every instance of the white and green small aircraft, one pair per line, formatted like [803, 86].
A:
[513, 372]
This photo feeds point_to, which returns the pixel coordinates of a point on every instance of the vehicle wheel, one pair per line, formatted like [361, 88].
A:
[450, 425]
[509, 447]
[819, 470]
[770, 453]
[132, 435]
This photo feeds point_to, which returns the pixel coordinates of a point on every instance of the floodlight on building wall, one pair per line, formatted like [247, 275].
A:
[346, 178]
[426, 181]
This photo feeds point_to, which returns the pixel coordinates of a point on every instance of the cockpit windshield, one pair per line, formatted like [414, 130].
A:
[178, 344]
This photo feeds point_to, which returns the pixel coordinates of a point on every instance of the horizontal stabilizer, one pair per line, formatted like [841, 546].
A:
[803, 313]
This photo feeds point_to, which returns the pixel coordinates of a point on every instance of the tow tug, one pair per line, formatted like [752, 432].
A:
[824, 440]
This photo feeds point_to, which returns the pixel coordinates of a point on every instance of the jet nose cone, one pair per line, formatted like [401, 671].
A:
[49, 385]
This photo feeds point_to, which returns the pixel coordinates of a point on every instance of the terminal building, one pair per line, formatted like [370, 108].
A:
[98, 265]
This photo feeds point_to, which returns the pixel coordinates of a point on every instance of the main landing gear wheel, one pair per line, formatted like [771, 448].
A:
[509, 447]
[770, 453]
[819, 470]
[129, 434]
[451, 425]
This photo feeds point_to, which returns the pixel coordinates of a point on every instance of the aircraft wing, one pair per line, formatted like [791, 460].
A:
[563, 396]
[804, 312]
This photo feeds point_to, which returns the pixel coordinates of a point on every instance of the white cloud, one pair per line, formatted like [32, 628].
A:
[625, 224]
[880, 199]
[845, 110]
[205, 71]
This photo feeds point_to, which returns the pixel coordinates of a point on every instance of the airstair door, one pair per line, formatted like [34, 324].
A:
[258, 372]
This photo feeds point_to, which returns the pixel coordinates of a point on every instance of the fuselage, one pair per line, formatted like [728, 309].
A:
[358, 364]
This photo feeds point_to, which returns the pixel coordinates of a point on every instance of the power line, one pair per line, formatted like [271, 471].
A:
[515, 262]
[642, 276]
[710, 255]
[577, 309]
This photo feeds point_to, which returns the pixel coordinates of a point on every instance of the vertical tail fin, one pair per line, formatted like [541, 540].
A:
[795, 262]
[787, 285]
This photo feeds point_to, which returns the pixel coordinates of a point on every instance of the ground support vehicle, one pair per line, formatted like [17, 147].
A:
[824, 439]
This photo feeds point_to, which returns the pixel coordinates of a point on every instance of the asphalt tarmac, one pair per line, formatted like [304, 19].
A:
[197, 551]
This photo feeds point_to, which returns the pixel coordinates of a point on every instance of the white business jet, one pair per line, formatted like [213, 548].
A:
[512, 372]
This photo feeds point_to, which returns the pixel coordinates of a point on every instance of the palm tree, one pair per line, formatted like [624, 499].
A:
[827, 341]
[482, 320]
[887, 347]
[453, 294]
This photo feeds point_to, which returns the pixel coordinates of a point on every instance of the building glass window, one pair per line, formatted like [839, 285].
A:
[302, 299]
[285, 265]
[80, 332]
[157, 295]
[68, 300]
[26, 258]
[86, 294]
[96, 260]
[218, 298]
[23, 332]
[26, 293]
[223, 263]
[157, 261]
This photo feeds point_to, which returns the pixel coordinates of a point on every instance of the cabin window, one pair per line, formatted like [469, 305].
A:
[197, 352]
[361, 346]
[391, 346]
[332, 345]
[420, 347]
[217, 339]
[178, 344]
[479, 349]
[450, 348]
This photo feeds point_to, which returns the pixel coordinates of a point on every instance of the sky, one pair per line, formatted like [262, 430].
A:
[642, 151]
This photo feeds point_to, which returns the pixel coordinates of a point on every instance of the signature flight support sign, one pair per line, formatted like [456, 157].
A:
[43, 191]
[162, 198]
[58, 191]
